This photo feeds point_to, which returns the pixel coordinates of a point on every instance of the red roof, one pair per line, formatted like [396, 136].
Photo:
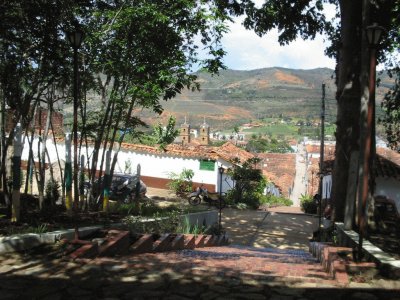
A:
[387, 165]
[279, 168]
[227, 151]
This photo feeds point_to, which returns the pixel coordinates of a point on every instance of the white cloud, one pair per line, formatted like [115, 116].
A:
[246, 50]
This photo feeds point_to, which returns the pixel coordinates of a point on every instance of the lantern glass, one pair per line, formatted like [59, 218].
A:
[374, 33]
[221, 170]
[75, 38]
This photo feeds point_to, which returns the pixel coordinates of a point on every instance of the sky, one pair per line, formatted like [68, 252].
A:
[247, 51]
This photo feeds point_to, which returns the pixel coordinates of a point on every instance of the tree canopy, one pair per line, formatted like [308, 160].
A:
[134, 54]
[349, 46]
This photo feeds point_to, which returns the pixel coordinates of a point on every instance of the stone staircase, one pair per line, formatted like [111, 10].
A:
[266, 265]
[340, 264]
[325, 265]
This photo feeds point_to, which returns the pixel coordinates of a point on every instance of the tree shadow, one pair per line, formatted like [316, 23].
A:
[173, 275]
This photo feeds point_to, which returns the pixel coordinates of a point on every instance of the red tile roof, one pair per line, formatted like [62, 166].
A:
[279, 168]
[227, 151]
[387, 165]
[328, 149]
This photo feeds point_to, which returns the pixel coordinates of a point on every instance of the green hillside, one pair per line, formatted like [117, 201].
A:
[236, 97]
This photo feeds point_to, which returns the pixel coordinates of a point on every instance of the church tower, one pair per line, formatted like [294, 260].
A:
[204, 133]
[185, 133]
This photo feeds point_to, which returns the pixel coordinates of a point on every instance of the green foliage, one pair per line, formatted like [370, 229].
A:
[391, 118]
[52, 192]
[39, 229]
[307, 204]
[249, 184]
[159, 223]
[147, 208]
[181, 183]
[165, 135]
[260, 145]
[186, 228]
[271, 200]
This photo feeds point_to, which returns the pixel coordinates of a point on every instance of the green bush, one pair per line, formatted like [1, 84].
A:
[52, 192]
[307, 204]
[251, 199]
[162, 223]
[181, 183]
[185, 227]
[146, 209]
[271, 200]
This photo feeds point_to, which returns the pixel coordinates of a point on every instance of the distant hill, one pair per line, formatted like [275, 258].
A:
[235, 97]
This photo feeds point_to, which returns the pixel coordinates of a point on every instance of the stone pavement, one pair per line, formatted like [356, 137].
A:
[280, 227]
[253, 267]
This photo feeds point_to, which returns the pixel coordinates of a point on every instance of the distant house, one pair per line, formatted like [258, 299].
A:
[386, 172]
[280, 171]
[387, 175]
[313, 160]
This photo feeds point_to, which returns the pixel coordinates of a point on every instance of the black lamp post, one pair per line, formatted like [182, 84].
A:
[221, 171]
[374, 33]
[75, 38]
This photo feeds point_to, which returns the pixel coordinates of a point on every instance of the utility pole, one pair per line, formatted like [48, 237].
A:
[321, 155]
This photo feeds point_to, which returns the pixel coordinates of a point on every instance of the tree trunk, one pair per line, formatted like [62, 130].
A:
[348, 98]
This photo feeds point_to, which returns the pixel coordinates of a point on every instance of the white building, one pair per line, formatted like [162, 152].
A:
[156, 164]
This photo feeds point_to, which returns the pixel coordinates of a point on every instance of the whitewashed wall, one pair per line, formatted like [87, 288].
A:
[160, 166]
[152, 165]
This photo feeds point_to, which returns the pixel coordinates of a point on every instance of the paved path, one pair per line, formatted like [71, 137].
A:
[246, 271]
[289, 230]
[299, 187]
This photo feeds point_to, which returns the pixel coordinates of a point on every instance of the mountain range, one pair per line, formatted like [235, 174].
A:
[235, 97]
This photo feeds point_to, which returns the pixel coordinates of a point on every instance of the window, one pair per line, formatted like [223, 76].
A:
[207, 165]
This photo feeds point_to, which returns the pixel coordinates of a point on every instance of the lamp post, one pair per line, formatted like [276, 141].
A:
[75, 38]
[221, 171]
[374, 33]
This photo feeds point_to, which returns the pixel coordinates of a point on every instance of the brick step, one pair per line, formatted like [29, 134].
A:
[339, 262]
[119, 242]
[294, 267]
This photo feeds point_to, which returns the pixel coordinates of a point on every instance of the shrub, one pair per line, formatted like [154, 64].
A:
[249, 198]
[52, 193]
[185, 227]
[271, 200]
[249, 183]
[307, 204]
[181, 183]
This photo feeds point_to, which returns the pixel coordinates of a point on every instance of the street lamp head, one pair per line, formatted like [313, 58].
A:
[221, 170]
[374, 33]
[75, 38]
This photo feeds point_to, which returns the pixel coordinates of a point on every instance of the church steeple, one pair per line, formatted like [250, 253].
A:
[204, 133]
[185, 133]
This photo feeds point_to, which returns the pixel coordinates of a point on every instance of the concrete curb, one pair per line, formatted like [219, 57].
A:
[387, 263]
[27, 241]
[22, 242]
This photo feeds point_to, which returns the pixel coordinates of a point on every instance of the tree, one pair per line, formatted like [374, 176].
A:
[135, 53]
[260, 145]
[391, 119]
[139, 52]
[165, 135]
[305, 19]
[32, 60]
[249, 183]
